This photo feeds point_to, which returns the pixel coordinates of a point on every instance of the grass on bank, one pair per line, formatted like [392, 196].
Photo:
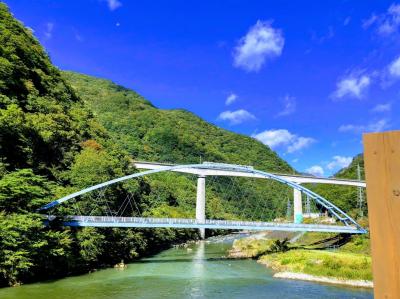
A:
[312, 254]
[342, 265]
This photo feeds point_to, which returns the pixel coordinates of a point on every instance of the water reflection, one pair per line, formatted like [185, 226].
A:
[198, 271]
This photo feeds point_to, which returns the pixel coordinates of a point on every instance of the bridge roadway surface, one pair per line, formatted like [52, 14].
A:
[298, 179]
[110, 221]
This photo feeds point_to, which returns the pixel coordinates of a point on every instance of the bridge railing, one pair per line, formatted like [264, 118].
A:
[144, 220]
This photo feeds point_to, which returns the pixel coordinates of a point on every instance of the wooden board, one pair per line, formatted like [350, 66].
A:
[382, 171]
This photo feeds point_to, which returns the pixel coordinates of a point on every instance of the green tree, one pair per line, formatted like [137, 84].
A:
[91, 244]
[22, 191]
[27, 245]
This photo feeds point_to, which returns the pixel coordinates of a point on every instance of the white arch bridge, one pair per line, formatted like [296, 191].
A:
[344, 223]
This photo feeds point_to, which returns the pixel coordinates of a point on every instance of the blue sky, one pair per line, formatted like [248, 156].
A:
[305, 77]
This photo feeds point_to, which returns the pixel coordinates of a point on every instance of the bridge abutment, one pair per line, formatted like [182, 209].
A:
[297, 206]
[201, 203]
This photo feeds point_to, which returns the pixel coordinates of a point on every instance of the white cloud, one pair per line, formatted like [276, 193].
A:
[394, 68]
[300, 143]
[289, 106]
[282, 138]
[236, 117]
[113, 4]
[315, 170]
[376, 126]
[49, 30]
[370, 21]
[386, 23]
[339, 162]
[352, 86]
[231, 99]
[346, 21]
[261, 42]
[382, 108]
[275, 138]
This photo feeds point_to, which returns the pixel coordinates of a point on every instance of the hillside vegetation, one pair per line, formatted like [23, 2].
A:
[177, 136]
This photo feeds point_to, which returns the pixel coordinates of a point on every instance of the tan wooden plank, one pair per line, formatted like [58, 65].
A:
[382, 171]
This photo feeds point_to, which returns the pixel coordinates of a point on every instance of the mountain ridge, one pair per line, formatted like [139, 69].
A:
[196, 138]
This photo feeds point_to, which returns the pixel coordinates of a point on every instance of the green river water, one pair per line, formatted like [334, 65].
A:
[198, 272]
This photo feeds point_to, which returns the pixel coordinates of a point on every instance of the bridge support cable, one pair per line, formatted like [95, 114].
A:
[100, 203]
[289, 211]
[308, 206]
[245, 198]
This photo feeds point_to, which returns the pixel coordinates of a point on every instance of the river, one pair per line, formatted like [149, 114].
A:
[198, 272]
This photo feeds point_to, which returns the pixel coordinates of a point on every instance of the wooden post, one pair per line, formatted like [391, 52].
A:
[382, 172]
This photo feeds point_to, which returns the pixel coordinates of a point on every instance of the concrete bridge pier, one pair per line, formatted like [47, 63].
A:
[201, 203]
[297, 206]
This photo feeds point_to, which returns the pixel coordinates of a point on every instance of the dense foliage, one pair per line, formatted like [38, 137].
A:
[42, 121]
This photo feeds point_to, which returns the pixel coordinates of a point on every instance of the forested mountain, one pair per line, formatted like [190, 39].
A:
[54, 141]
[178, 136]
[351, 171]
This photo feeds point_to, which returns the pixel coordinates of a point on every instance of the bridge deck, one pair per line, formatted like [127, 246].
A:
[109, 221]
